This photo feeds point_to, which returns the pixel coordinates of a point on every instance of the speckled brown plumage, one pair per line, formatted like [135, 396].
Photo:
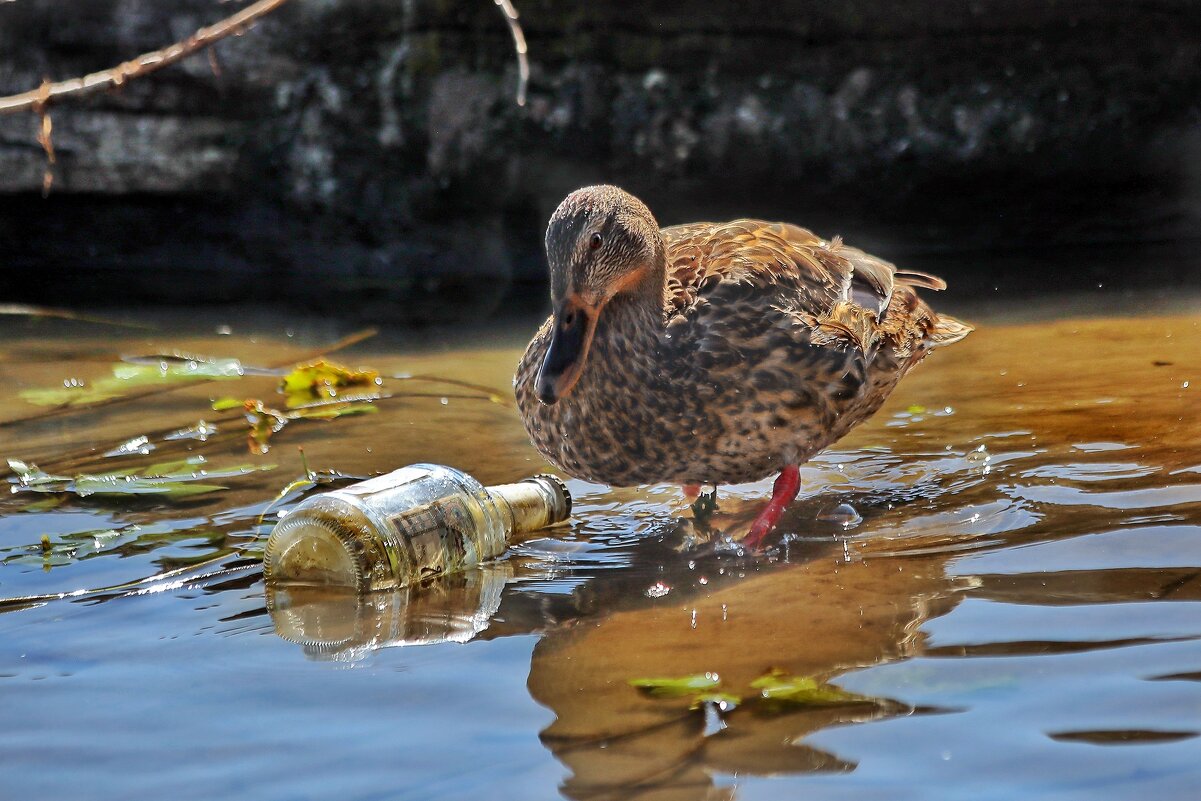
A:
[726, 351]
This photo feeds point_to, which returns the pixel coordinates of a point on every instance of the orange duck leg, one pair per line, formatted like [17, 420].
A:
[784, 492]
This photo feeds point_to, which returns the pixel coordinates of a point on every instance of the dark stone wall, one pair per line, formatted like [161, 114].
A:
[370, 151]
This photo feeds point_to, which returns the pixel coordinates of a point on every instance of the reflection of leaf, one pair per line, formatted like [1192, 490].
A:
[322, 380]
[226, 403]
[44, 505]
[191, 544]
[48, 553]
[778, 687]
[677, 687]
[724, 701]
[145, 371]
[342, 410]
[172, 479]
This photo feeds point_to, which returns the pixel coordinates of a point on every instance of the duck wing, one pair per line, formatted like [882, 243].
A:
[842, 297]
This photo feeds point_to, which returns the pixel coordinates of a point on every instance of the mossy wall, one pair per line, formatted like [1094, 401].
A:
[371, 150]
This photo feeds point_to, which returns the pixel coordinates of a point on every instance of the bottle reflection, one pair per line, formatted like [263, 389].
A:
[338, 623]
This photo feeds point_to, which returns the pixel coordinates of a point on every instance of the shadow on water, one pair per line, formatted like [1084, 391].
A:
[1001, 568]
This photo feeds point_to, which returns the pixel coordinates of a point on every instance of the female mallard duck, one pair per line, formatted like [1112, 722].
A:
[711, 353]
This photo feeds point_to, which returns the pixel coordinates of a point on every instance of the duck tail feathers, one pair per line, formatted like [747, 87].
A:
[947, 330]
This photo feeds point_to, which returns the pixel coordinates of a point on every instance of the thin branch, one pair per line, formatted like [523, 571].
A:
[23, 310]
[523, 60]
[37, 99]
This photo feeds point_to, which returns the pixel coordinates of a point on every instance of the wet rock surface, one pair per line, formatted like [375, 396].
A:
[371, 151]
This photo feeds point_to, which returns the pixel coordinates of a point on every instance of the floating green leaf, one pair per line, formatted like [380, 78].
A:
[30, 476]
[137, 446]
[323, 380]
[201, 431]
[227, 403]
[679, 686]
[131, 374]
[174, 467]
[778, 687]
[172, 479]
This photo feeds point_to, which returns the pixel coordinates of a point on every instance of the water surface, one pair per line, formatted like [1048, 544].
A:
[1010, 609]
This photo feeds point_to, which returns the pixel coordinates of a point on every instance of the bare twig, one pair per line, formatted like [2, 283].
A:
[23, 310]
[37, 99]
[523, 60]
[45, 128]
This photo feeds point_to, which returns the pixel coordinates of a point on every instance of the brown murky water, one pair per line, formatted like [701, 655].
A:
[1008, 609]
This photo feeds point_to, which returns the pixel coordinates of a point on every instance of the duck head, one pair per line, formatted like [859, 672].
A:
[602, 243]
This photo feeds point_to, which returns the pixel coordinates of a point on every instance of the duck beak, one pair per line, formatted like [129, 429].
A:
[574, 324]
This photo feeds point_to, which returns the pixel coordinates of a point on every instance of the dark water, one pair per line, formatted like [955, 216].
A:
[1010, 609]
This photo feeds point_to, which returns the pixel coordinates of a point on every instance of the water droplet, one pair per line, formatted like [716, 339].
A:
[657, 590]
[136, 445]
[980, 454]
[843, 514]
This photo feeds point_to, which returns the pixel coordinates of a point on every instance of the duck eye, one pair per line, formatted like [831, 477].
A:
[595, 241]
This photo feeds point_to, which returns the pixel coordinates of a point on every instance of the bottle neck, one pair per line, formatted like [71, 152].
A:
[533, 503]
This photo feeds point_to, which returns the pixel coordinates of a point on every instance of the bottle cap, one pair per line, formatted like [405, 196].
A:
[534, 503]
[562, 496]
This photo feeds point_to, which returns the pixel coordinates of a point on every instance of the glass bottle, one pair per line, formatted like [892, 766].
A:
[404, 527]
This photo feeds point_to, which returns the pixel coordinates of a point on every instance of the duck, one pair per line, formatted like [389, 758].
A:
[712, 353]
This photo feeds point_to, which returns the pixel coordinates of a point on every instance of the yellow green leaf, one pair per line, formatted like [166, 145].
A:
[781, 688]
[323, 379]
[674, 687]
[131, 374]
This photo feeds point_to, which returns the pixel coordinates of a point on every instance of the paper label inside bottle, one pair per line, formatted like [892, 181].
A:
[435, 536]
